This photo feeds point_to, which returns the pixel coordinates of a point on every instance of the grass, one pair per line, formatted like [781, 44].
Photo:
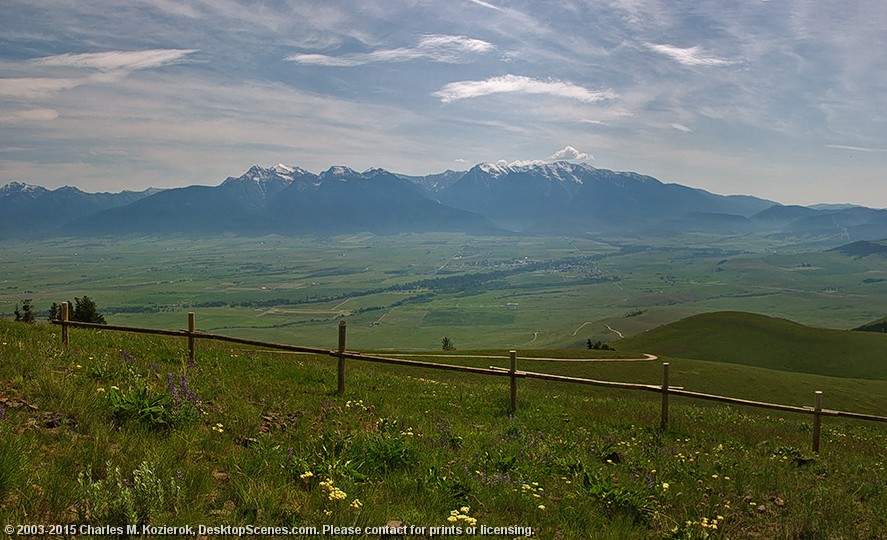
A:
[768, 342]
[272, 444]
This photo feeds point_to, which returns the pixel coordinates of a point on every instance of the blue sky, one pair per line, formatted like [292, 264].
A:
[780, 99]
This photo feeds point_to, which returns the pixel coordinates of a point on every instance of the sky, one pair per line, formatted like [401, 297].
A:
[785, 100]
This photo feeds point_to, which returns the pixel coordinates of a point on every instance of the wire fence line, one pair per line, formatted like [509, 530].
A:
[341, 354]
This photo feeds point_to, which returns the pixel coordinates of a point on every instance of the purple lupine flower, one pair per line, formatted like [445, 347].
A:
[173, 389]
[127, 357]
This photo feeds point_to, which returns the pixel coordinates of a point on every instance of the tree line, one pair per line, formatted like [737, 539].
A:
[82, 309]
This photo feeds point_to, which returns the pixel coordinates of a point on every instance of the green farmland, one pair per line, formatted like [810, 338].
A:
[409, 291]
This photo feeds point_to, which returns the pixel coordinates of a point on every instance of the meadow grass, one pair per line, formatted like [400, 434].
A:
[249, 437]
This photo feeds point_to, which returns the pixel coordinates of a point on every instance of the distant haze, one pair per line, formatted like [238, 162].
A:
[781, 100]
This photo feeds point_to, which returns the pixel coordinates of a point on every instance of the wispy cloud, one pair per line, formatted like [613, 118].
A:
[106, 66]
[681, 127]
[436, 48]
[510, 84]
[485, 4]
[117, 60]
[858, 148]
[34, 87]
[691, 56]
[30, 115]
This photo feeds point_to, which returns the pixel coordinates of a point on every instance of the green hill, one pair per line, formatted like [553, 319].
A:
[879, 326]
[758, 340]
[862, 248]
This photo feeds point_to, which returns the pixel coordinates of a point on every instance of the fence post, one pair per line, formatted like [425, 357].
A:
[817, 420]
[341, 358]
[65, 324]
[513, 356]
[664, 423]
[191, 327]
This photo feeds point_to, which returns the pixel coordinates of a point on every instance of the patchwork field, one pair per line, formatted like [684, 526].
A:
[409, 291]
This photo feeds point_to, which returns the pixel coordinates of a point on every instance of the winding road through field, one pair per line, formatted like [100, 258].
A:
[583, 325]
[617, 332]
[610, 328]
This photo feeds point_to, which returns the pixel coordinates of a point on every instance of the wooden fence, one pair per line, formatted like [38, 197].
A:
[512, 372]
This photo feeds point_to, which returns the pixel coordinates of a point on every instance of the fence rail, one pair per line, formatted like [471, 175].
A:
[512, 372]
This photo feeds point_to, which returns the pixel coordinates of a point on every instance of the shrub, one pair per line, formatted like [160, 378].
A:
[114, 501]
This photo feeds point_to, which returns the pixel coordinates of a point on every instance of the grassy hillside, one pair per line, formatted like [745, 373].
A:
[757, 340]
[120, 429]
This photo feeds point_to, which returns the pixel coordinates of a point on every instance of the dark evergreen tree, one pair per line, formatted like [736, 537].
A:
[447, 344]
[85, 310]
[26, 313]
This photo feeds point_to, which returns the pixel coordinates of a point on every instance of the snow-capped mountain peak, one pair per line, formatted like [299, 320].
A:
[494, 169]
[20, 187]
[339, 171]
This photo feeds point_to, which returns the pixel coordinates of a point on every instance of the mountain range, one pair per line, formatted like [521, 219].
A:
[538, 198]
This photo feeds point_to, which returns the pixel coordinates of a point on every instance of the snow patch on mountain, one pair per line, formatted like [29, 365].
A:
[21, 187]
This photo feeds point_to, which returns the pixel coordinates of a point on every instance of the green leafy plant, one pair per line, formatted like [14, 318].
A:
[618, 499]
[139, 404]
[385, 453]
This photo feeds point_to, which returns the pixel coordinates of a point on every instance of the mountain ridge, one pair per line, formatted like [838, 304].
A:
[489, 198]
